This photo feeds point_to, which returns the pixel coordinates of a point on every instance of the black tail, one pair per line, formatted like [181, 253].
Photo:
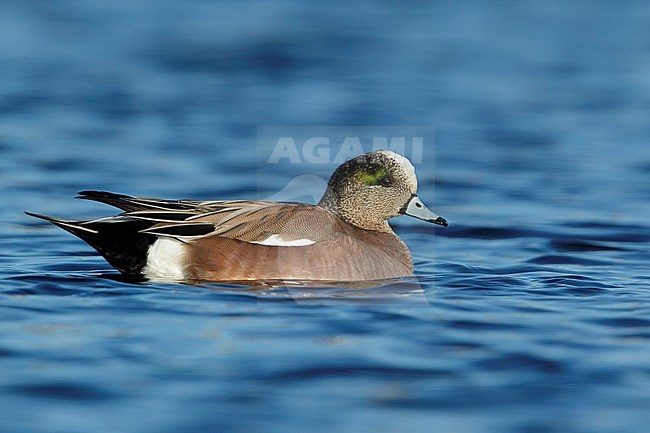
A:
[119, 201]
[118, 239]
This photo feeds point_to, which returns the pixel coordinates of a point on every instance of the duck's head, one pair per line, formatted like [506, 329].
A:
[368, 190]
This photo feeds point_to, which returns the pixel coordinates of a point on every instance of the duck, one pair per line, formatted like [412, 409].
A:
[344, 237]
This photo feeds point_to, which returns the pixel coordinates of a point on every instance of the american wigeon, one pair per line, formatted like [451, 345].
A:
[345, 237]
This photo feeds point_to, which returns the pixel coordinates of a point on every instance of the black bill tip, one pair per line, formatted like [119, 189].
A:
[440, 221]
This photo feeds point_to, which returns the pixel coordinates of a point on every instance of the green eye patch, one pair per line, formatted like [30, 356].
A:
[372, 176]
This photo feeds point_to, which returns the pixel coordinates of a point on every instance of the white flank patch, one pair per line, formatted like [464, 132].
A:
[406, 166]
[165, 259]
[277, 241]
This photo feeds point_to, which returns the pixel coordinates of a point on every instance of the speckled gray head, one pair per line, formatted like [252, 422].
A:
[368, 190]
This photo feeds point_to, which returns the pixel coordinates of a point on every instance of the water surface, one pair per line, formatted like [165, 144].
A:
[530, 313]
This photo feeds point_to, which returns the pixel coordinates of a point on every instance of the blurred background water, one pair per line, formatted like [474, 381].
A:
[530, 313]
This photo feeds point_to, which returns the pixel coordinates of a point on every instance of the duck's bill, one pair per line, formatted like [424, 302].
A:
[417, 209]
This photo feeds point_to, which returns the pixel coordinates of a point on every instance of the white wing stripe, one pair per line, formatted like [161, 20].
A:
[277, 241]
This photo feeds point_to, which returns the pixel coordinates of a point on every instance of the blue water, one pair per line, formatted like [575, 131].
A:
[530, 313]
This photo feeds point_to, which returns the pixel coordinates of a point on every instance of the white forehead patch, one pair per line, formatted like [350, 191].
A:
[405, 164]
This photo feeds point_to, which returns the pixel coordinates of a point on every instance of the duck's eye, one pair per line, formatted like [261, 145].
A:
[385, 181]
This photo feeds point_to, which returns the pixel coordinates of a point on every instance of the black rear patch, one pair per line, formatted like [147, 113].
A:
[182, 230]
[162, 216]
